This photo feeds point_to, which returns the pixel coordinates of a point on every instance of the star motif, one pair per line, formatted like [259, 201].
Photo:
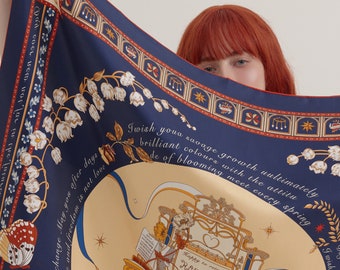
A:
[199, 97]
[100, 241]
[307, 126]
[110, 33]
[319, 228]
[269, 230]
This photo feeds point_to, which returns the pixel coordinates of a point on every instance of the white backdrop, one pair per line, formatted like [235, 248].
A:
[308, 30]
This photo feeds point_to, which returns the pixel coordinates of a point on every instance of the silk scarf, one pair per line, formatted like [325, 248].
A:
[117, 154]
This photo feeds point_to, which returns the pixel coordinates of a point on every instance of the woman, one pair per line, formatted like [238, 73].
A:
[234, 42]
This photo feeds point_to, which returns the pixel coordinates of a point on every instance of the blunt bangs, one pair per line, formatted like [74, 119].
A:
[222, 35]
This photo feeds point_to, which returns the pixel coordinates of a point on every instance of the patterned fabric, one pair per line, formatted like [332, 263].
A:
[116, 154]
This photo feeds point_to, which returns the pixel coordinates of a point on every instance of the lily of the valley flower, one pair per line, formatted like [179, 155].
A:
[92, 87]
[165, 104]
[64, 131]
[292, 160]
[136, 99]
[158, 106]
[98, 102]
[56, 155]
[147, 93]
[336, 169]
[80, 102]
[73, 118]
[48, 124]
[25, 159]
[318, 167]
[127, 79]
[119, 93]
[94, 113]
[107, 91]
[308, 154]
[32, 172]
[47, 104]
[334, 152]
[32, 185]
[60, 96]
[175, 111]
[32, 202]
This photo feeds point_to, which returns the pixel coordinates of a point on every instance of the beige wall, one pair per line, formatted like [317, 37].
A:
[4, 15]
[307, 30]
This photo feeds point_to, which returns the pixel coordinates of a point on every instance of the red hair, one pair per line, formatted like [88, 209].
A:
[221, 31]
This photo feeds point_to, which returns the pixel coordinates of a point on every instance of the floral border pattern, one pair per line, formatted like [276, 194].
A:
[279, 124]
[63, 114]
[62, 120]
[319, 166]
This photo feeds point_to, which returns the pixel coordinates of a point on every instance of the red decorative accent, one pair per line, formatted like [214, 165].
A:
[334, 126]
[22, 232]
[161, 257]
[252, 117]
[319, 228]
[152, 69]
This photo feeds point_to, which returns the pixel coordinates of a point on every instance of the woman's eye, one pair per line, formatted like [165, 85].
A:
[241, 62]
[210, 69]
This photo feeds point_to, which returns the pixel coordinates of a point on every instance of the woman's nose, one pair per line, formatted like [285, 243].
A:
[225, 72]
